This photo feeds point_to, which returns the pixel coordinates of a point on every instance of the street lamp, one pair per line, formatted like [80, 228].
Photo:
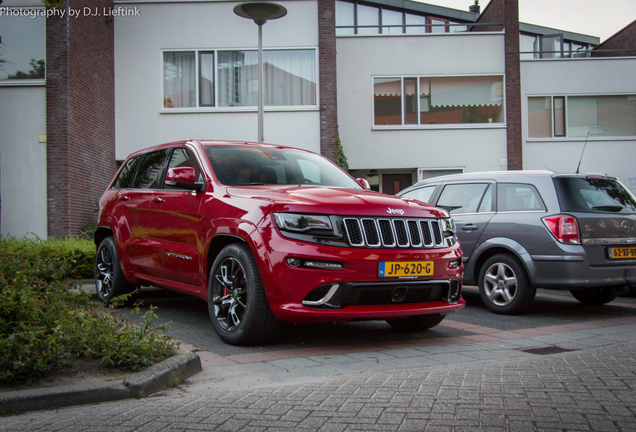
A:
[260, 12]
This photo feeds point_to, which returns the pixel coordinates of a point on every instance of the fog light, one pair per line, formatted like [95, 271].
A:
[294, 262]
[454, 264]
[324, 265]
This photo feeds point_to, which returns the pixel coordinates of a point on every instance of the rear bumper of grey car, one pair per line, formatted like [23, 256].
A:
[572, 271]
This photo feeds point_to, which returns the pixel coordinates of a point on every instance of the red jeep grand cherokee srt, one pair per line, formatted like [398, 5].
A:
[266, 233]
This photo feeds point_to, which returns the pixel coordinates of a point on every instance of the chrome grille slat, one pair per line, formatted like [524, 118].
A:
[386, 229]
[393, 232]
[354, 232]
[371, 234]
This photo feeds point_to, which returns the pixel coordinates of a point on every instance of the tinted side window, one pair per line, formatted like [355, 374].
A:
[462, 198]
[518, 197]
[422, 194]
[127, 174]
[183, 157]
[152, 170]
[593, 195]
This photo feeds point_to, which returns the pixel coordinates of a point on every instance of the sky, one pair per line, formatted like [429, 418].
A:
[600, 18]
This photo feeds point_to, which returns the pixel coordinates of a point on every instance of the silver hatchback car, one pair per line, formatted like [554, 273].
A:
[523, 230]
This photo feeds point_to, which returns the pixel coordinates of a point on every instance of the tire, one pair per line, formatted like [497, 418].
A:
[109, 278]
[237, 303]
[504, 286]
[595, 296]
[415, 324]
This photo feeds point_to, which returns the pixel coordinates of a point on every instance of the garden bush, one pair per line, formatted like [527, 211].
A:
[43, 317]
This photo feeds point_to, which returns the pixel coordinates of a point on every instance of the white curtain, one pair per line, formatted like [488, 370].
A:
[179, 75]
[289, 75]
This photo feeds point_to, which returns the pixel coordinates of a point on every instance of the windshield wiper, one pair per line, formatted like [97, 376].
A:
[612, 208]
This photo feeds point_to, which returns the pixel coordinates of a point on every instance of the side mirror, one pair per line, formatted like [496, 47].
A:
[364, 183]
[183, 178]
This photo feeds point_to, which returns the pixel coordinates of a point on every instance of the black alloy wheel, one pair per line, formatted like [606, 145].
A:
[237, 303]
[109, 277]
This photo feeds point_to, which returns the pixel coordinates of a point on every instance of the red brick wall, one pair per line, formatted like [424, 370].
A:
[624, 42]
[328, 78]
[507, 12]
[80, 110]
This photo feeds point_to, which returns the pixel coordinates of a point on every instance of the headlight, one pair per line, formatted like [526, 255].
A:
[302, 222]
[448, 226]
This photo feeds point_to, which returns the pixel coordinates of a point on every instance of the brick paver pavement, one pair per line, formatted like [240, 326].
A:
[587, 390]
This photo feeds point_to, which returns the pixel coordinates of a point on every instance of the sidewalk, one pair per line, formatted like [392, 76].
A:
[450, 385]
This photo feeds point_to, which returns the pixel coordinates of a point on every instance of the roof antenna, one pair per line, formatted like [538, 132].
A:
[581, 158]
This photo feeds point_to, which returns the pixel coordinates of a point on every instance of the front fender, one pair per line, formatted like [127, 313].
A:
[494, 246]
[236, 230]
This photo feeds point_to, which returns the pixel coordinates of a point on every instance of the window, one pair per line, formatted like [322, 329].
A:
[539, 117]
[593, 195]
[127, 174]
[179, 84]
[438, 100]
[250, 165]
[602, 116]
[23, 47]
[218, 79]
[356, 18]
[518, 197]
[183, 157]
[464, 198]
[152, 170]
[532, 46]
[422, 194]
[594, 116]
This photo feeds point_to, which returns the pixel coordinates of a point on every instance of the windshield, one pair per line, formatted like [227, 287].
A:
[592, 195]
[251, 165]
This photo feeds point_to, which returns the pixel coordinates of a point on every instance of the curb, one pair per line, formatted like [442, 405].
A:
[156, 378]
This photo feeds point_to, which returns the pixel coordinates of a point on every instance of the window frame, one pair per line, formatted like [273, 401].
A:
[418, 125]
[39, 12]
[566, 120]
[198, 108]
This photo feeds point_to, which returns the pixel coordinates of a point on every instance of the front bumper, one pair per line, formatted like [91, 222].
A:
[357, 292]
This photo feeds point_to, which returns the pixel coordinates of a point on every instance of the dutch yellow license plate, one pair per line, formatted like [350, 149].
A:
[622, 252]
[406, 268]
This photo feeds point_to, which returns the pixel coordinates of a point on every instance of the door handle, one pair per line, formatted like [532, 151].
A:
[469, 227]
[124, 198]
[157, 200]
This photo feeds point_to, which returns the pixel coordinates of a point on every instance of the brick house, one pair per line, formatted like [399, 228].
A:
[412, 90]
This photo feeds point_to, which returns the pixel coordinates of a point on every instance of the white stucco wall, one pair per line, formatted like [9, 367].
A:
[139, 41]
[565, 77]
[471, 148]
[23, 160]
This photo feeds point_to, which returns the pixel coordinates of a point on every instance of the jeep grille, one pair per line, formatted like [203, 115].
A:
[394, 232]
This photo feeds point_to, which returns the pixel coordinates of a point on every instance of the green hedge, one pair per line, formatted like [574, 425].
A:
[44, 255]
[43, 318]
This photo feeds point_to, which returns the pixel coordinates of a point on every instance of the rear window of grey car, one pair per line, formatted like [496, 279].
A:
[518, 197]
[592, 195]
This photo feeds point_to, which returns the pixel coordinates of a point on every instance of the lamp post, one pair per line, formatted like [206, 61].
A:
[260, 12]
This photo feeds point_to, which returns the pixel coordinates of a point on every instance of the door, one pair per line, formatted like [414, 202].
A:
[174, 226]
[471, 207]
[393, 183]
[139, 246]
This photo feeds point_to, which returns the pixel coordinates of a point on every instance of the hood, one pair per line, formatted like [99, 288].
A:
[338, 201]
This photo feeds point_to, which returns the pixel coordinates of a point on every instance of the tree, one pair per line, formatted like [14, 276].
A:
[341, 158]
[37, 71]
